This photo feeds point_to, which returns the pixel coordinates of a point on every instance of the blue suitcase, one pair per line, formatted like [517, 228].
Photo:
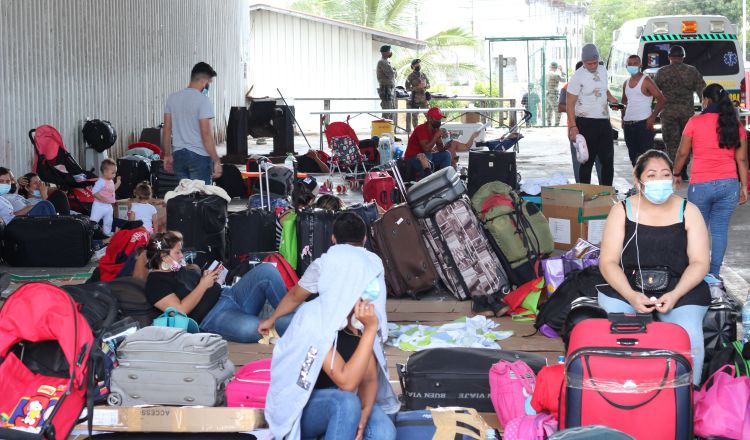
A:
[419, 425]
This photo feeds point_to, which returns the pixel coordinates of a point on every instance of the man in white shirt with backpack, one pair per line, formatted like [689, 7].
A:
[638, 116]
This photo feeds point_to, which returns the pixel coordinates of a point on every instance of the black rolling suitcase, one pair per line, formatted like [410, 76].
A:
[314, 231]
[489, 166]
[232, 182]
[252, 230]
[151, 135]
[161, 181]
[455, 376]
[719, 327]
[56, 241]
[132, 170]
[202, 220]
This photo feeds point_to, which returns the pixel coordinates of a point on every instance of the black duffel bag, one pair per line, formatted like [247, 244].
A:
[455, 376]
[99, 134]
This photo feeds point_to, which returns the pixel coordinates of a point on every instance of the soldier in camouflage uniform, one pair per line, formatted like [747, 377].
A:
[554, 78]
[417, 83]
[677, 81]
[387, 82]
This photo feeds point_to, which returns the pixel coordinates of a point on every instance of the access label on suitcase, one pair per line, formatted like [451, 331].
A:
[622, 371]
[455, 376]
[435, 191]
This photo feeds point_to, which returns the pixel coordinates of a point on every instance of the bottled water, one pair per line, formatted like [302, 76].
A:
[746, 320]
[491, 434]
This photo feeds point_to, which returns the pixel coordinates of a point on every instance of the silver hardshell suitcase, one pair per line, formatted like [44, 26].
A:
[168, 366]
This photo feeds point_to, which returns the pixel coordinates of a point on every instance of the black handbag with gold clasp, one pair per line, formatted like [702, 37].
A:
[650, 280]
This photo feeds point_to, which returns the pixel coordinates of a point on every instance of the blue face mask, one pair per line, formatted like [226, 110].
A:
[205, 90]
[4, 188]
[633, 70]
[372, 291]
[658, 191]
[37, 194]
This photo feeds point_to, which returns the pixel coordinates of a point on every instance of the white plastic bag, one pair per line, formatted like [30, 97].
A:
[582, 151]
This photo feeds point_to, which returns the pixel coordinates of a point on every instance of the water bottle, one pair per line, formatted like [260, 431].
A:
[289, 161]
[491, 434]
[746, 320]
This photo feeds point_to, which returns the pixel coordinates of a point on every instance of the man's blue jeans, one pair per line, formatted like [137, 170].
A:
[235, 315]
[439, 160]
[43, 208]
[334, 415]
[716, 200]
[190, 165]
[638, 138]
[688, 317]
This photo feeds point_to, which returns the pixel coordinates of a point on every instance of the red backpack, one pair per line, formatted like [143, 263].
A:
[379, 186]
[38, 315]
[121, 245]
[285, 269]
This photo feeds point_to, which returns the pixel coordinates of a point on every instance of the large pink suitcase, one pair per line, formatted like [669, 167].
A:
[632, 374]
[250, 385]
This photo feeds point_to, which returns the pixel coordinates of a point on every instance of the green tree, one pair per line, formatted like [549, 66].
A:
[390, 15]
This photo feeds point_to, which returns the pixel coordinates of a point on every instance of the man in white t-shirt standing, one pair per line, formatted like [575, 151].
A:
[587, 98]
[188, 139]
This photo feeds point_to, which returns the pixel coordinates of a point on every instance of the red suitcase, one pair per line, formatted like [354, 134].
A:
[380, 187]
[632, 374]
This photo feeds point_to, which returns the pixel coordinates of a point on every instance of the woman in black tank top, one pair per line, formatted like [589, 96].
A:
[657, 231]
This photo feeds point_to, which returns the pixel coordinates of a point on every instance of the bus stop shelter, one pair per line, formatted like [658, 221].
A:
[537, 49]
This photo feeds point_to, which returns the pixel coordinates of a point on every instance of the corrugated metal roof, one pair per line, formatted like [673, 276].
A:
[377, 35]
[62, 61]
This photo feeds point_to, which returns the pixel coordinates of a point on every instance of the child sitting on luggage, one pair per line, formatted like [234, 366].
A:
[328, 374]
[104, 195]
[142, 210]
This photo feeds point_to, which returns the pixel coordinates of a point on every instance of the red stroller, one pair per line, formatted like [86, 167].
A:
[39, 398]
[346, 158]
[54, 164]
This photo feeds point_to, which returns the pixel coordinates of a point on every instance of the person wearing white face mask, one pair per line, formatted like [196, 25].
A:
[654, 255]
[638, 117]
[232, 312]
[718, 180]
[13, 205]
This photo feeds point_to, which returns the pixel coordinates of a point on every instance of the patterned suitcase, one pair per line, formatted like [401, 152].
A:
[462, 254]
[631, 374]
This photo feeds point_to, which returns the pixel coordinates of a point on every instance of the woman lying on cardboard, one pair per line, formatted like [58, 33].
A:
[231, 312]
[664, 238]
[328, 375]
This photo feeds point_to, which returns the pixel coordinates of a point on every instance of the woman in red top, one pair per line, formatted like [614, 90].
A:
[719, 171]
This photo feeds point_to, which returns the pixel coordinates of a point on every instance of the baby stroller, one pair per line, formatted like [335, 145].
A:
[510, 139]
[54, 164]
[346, 158]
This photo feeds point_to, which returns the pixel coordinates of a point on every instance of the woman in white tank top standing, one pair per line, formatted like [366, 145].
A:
[639, 114]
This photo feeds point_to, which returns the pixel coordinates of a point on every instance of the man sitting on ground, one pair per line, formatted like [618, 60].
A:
[425, 151]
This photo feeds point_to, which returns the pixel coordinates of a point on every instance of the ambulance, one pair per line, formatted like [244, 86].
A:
[711, 45]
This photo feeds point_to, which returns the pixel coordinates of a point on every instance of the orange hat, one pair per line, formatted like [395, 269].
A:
[435, 113]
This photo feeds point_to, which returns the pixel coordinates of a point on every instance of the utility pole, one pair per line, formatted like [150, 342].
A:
[500, 63]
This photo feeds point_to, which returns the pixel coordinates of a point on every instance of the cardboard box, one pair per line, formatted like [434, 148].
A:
[122, 207]
[175, 419]
[577, 211]
[471, 118]
[462, 132]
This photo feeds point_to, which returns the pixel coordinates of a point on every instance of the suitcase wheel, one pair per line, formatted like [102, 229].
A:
[114, 399]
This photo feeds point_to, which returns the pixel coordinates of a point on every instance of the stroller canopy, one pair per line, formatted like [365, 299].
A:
[48, 143]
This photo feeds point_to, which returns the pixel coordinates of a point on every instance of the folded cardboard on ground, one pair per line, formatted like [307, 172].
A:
[176, 419]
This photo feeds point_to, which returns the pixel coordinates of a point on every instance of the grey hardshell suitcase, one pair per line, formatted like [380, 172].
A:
[435, 191]
[462, 253]
[168, 366]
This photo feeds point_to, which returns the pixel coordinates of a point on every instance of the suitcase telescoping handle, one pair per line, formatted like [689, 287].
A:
[263, 169]
[397, 177]
[626, 323]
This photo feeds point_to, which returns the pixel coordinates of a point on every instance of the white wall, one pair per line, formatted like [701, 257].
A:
[64, 60]
[304, 58]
